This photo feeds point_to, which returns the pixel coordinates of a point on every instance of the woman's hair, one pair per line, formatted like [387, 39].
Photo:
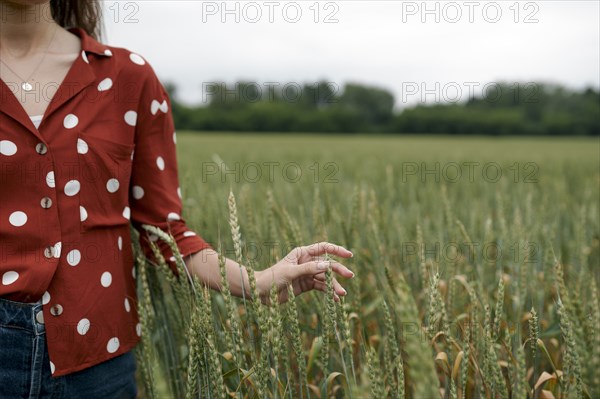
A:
[86, 14]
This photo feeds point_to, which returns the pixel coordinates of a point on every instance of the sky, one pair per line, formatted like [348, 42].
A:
[433, 51]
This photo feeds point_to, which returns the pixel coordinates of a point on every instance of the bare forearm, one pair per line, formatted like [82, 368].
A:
[298, 269]
[205, 265]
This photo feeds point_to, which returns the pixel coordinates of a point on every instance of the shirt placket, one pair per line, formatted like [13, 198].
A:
[59, 165]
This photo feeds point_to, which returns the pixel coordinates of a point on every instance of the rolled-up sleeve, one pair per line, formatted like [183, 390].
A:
[155, 195]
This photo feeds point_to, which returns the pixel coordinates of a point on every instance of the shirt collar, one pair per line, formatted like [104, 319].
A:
[89, 44]
[80, 75]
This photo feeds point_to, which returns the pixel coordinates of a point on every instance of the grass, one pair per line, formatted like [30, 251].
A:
[476, 285]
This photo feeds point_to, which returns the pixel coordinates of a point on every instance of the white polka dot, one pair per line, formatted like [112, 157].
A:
[70, 121]
[136, 59]
[127, 306]
[74, 257]
[133, 271]
[172, 259]
[83, 326]
[113, 345]
[108, 53]
[84, 56]
[112, 185]
[106, 279]
[82, 147]
[120, 243]
[7, 148]
[105, 84]
[52, 368]
[126, 213]
[175, 137]
[154, 106]
[153, 237]
[173, 216]
[164, 107]
[45, 298]
[72, 188]
[57, 249]
[160, 162]
[50, 179]
[179, 192]
[188, 233]
[82, 213]
[137, 192]
[132, 152]
[17, 218]
[131, 118]
[138, 329]
[9, 277]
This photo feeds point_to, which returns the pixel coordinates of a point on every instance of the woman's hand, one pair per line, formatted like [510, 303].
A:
[303, 268]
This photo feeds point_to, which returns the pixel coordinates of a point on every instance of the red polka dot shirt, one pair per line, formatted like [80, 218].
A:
[103, 157]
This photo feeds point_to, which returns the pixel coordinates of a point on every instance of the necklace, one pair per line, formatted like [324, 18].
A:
[25, 85]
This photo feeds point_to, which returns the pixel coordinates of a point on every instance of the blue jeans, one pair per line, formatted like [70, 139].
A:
[25, 365]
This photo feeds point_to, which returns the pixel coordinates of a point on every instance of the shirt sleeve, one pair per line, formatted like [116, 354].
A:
[155, 195]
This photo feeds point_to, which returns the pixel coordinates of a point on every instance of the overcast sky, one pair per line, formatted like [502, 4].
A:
[392, 44]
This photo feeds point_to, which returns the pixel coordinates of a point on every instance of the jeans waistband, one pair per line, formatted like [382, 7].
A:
[23, 315]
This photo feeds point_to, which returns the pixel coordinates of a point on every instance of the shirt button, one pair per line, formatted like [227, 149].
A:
[49, 252]
[41, 148]
[56, 310]
[46, 202]
[40, 317]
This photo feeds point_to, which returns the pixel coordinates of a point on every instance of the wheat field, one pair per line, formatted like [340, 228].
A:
[476, 261]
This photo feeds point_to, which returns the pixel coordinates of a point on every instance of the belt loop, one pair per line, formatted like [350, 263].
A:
[38, 317]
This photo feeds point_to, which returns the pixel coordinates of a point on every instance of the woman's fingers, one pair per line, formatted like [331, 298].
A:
[337, 287]
[321, 248]
[303, 254]
[319, 266]
[321, 286]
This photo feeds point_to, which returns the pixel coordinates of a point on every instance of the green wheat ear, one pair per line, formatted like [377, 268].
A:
[293, 316]
[230, 321]
[521, 385]
[376, 383]
[499, 309]
[534, 332]
[573, 366]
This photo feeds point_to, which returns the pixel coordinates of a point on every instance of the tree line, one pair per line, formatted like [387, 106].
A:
[502, 109]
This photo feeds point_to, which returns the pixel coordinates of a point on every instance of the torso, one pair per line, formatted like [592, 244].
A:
[64, 50]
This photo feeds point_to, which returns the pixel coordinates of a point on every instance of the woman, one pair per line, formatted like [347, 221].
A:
[87, 146]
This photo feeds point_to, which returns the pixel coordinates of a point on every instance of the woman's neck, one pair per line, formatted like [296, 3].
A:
[24, 29]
